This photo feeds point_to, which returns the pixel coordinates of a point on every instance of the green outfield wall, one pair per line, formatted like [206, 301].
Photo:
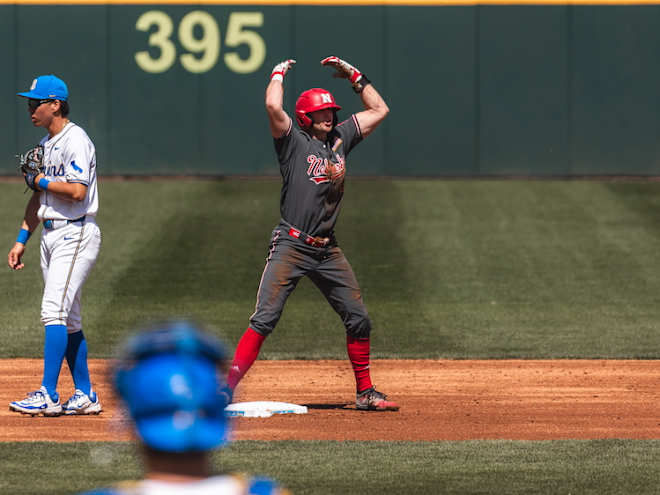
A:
[474, 90]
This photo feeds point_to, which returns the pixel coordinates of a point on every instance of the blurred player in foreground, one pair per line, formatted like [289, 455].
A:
[313, 164]
[169, 377]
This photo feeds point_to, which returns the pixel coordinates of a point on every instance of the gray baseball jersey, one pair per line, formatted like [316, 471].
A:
[303, 243]
[310, 200]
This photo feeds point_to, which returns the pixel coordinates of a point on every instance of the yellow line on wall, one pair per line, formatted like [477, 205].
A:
[330, 3]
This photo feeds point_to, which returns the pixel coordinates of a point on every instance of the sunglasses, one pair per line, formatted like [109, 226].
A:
[34, 104]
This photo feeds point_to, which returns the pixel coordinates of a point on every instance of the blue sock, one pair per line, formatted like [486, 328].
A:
[76, 357]
[54, 350]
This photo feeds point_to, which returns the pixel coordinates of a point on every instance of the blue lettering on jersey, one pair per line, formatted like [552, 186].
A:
[76, 167]
[54, 171]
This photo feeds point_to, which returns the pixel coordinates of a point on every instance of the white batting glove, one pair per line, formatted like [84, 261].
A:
[347, 71]
[281, 69]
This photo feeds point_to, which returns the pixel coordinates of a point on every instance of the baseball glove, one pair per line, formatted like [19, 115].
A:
[335, 168]
[31, 165]
[335, 171]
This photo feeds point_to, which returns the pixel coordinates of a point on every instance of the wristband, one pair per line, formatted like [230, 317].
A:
[23, 236]
[358, 86]
[43, 183]
[277, 76]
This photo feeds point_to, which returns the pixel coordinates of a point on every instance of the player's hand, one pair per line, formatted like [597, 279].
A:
[347, 71]
[280, 70]
[15, 255]
[344, 69]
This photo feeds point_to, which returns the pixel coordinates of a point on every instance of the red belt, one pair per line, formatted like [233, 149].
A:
[308, 239]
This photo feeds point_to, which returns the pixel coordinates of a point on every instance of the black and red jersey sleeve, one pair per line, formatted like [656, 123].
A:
[350, 133]
[285, 147]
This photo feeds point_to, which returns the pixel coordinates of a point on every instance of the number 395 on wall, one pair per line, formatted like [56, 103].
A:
[203, 51]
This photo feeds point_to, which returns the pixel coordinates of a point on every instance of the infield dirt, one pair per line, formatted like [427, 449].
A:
[440, 400]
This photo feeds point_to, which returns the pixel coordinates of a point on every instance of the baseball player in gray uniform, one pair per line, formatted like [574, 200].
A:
[313, 164]
[65, 200]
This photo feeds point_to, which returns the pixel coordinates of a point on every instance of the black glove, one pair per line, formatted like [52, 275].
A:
[31, 165]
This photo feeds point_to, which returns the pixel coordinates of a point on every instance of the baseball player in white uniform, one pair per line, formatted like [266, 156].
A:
[65, 200]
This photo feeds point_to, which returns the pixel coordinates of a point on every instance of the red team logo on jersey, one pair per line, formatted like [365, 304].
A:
[320, 172]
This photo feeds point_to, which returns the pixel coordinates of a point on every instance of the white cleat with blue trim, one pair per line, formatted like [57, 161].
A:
[81, 403]
[36, 403]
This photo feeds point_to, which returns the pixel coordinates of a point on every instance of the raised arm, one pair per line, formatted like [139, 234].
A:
[278, 119]
[375, 108]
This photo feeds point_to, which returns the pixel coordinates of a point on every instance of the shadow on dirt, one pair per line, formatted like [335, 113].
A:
[343, 405]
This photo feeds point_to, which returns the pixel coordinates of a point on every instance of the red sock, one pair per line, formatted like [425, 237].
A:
[246, 353]
[358, 354]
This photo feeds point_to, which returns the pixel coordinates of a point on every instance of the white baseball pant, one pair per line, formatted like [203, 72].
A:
[68, 254]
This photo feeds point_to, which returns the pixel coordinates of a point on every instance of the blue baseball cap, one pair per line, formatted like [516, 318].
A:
[170, 378]
[48, 87]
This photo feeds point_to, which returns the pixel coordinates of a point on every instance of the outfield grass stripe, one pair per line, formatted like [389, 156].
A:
[449, 269]
[599, 467]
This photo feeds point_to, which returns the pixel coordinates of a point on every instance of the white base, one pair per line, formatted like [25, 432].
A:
[263, 409]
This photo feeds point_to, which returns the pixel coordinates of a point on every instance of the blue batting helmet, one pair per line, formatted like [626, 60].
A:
[171, 376]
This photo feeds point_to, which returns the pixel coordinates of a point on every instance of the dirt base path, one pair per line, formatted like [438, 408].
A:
[440, 400]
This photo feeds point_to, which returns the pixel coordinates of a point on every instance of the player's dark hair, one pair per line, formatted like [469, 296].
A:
[64, 108]
[172, 456]
[195, 462]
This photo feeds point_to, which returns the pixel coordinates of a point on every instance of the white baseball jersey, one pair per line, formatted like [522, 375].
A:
[69, 156]
[215, 485]
[68, 249]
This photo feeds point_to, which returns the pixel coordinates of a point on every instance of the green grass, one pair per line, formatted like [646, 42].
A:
[453, 269]
[582, 467]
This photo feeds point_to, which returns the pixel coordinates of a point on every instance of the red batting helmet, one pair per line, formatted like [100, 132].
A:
[312, 100]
